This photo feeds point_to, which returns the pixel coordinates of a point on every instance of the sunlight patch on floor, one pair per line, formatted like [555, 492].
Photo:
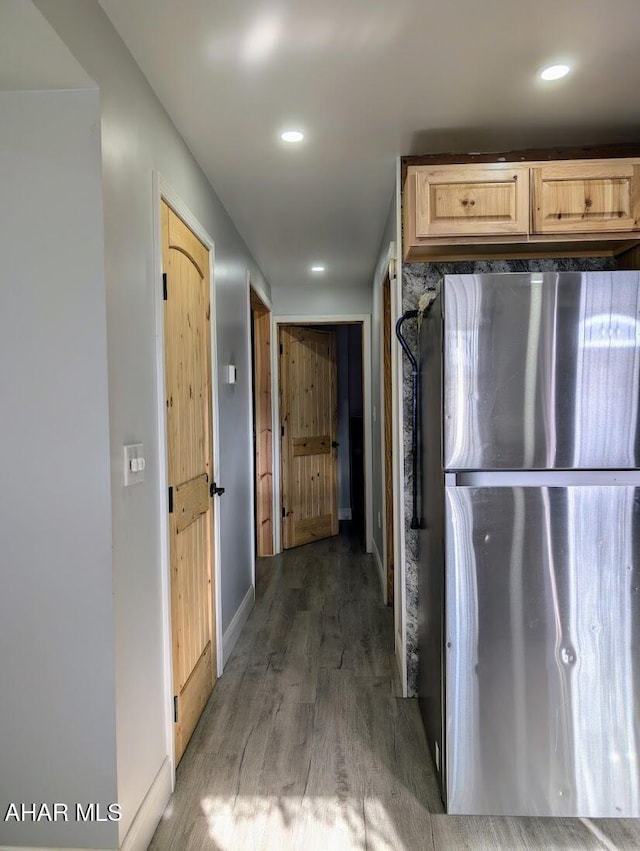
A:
[303, 824]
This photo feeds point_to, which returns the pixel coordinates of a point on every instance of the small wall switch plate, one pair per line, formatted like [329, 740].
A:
[134, 464]
[231, 374]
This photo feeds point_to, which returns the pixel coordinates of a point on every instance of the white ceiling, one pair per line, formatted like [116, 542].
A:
[32, 55]
[368, 80]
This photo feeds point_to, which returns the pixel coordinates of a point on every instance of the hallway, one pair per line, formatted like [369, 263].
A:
[305, 744]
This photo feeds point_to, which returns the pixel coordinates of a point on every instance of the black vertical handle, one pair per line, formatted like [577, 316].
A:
[412, 314]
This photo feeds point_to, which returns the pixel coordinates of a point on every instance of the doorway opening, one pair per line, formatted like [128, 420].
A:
[260, 326]
[322, 431]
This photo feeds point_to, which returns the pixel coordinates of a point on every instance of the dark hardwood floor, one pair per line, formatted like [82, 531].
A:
[305, 744]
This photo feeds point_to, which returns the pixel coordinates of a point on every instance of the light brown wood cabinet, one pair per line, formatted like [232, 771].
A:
[522, 209]
[586, 196]
[471, 201]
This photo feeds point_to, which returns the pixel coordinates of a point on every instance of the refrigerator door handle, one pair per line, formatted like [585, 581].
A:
[542, 478]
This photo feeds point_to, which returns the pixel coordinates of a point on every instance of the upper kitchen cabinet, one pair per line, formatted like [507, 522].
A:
[520, 205]
[467, 200]
[586, 196]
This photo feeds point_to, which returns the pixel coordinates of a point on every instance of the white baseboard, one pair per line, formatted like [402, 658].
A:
[400, 661]
[344, 514]
[153, 806]
[381, 571]
[232, 632]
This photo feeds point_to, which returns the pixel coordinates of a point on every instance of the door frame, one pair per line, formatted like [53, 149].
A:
[394, 272]
[254, 391]
[163, 191]
[397, 413]
[391, 267]
[363, 319]
[385, 289]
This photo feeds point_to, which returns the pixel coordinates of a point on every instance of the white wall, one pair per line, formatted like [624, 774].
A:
[58, 729]
[323, 300]
[138, 137]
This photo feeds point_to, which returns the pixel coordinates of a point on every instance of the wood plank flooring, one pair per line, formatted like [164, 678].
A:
[305, 744]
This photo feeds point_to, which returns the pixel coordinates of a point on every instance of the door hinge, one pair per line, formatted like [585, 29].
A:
[170, 500]
[284, 513]
[175, 708]
[282, 431]
[281, 349]
[164, 286]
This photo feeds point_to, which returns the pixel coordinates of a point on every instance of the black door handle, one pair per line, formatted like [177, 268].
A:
[213, 490]
[334, 444]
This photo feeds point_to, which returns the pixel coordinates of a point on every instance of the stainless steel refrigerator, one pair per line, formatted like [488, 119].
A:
[529, 576]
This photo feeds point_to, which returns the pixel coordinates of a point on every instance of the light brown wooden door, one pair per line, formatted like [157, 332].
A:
[309, 428]
[187, 346]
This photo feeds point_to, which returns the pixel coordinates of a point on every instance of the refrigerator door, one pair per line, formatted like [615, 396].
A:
[543, 650]
[542, 371]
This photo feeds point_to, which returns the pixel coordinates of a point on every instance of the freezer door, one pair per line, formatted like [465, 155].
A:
[541, 371]
[542, 649]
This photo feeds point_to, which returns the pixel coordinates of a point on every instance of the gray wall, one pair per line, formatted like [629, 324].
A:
[349, 404]
[58, 730]
[354, 356]
[138, 137]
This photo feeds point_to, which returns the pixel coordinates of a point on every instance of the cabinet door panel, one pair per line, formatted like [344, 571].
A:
[586, 196]
[472, 200]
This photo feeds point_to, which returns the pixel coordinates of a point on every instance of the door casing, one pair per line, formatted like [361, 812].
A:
[260, 311]
[386, 435]
[163, 191]
[363, 319]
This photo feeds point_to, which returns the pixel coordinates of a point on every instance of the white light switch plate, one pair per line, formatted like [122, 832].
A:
[134, 464]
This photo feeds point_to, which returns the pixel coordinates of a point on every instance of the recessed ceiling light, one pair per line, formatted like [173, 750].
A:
[554, 72]
[318, 268]
[292, 136]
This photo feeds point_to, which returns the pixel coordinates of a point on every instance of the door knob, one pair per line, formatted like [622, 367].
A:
[213, 490]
